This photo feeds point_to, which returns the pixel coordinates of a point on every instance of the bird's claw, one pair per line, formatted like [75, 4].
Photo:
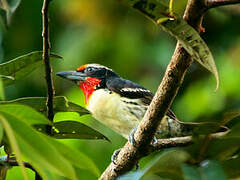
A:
[131, 138]
[114, 155]
[154, 141]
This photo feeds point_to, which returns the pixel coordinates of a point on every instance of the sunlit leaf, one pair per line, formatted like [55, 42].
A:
[22, 66]
[74, 156]
[212, 170]
[61, 104]
[24, 113]
[35, 147]
[2, 94]
[13, 141]
[159, 13]
[9, 6]
[75, 130]
[1, 133]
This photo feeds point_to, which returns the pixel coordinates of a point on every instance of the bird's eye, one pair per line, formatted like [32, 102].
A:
[89, 69]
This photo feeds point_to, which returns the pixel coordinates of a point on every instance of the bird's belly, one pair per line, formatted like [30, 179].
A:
[113, 111]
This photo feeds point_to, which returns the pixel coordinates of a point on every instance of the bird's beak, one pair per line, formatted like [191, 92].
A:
[72, 75]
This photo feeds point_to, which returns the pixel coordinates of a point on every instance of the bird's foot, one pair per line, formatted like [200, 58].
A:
[114, 155]
[131, 138]
[154, 141]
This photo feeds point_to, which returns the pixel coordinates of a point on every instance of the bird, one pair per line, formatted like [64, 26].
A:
[120, 104]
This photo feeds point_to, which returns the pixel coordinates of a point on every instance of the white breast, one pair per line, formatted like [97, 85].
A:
[118, 113]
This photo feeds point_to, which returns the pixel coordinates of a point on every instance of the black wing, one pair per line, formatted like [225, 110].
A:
[133, 90]
[129, 89]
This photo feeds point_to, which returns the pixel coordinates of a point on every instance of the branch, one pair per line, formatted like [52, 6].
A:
[45, 56]
[173, 78]
[216, 3]
[180, 141]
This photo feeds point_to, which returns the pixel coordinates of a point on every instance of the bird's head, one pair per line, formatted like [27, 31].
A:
[89, 77]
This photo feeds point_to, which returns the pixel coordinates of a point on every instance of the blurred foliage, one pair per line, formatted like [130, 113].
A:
[109, 33]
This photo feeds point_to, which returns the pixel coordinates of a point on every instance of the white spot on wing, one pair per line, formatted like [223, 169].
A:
[134, 90]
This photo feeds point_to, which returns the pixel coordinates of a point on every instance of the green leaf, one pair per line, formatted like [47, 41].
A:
[234, 132]
[35, 147]
[74, 156]
[168, 164]
[2, 94]
[159, 13]
[223, 148]
[228, 116]
[10, 7]
[13, 142]
[20, 67]
[208, 170]
[75, 130]
[24, 113]
[231, 167]
[136, 175]
[1, 133]
[61, 104]
[212, 170]
[190, 172]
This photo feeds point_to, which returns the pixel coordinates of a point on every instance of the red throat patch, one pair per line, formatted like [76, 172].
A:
[88, 86]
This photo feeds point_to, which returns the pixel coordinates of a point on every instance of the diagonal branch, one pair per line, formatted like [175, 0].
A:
[129, 155]
[216, 3]
[172, 80]
[45, 56]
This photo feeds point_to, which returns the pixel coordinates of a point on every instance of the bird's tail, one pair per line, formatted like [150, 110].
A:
[172, 127]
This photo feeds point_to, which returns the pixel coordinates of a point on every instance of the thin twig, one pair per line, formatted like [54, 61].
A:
[216, 3]
[45, 56]
[48, 69]
[13, 162]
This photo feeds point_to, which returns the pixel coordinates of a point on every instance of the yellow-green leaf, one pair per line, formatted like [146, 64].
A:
[61, 104]
[22, 66]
